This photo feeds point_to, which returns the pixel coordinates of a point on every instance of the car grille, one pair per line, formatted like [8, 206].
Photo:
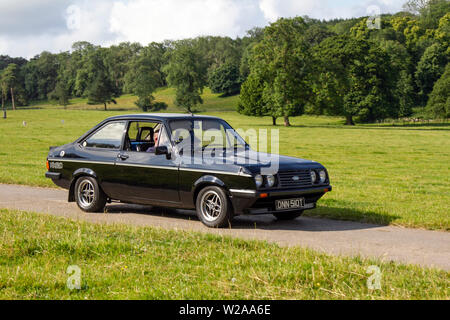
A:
[287, 179]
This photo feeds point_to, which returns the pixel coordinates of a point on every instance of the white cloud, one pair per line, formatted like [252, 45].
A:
[324, 9]
[274, 9]
[385, 6]
[53, 25]
[91, 25]
[32, 16]
[156, 20]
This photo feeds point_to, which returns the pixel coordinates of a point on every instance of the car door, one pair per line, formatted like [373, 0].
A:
[99, 153]
[148, 178]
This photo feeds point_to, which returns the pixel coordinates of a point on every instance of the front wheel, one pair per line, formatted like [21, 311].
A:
[291, 215]
[214, 208]
[89, 196]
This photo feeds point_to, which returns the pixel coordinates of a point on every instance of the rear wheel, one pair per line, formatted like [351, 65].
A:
[214, 208]
[89, 196]
[291, 215]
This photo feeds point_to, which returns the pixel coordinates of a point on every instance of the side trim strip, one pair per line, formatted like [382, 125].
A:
[80, 161]
[151, 166]
[145, 166]
[216, 171]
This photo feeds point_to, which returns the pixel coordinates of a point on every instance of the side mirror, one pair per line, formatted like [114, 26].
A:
[162, 150]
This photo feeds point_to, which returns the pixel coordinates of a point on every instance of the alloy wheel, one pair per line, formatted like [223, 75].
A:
[86, 193]
[211, 205]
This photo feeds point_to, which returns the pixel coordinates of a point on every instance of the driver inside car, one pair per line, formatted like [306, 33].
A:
[155, 139]
[160, 138]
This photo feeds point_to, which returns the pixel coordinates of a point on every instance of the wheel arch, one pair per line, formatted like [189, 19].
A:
[81, 172]
[204, 181]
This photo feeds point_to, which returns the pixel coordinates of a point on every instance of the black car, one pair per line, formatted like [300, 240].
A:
[183, 161]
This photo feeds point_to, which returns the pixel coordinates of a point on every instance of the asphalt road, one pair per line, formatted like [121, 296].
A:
[411, 246]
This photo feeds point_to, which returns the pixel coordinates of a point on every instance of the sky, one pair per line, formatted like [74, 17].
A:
[28, 27]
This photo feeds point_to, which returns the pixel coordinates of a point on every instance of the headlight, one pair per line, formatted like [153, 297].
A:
[258, 180]
[313, 176]
[322, 176]
[270, 180]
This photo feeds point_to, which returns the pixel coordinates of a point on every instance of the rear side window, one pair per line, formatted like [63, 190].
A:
[108, 137]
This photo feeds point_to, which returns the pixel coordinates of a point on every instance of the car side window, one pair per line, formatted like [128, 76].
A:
[108, 137]
[141, 136]
[133, 130]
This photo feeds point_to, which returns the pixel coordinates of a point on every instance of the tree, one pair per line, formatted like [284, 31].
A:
[254, 35]
[439, 103]
[251, 101]
[404, 92]
[244, 66]
[221, 57]
[248, 42]
[315, 34]
[341, 27]
[429, 69]
[354, 80]
[142, 79]
[40, 75]
[415, 6]
[156, 52]
[442, 33]
[432, 12]
[86, 58]
[4, 90]
[9, 76]
[6, 60]
[101, 89]
[411, 34]
[216, 51]
[61, 93]
[402, 73]
[281, 61]
[186, 72]
[225, 79]
[117, 63]
[64, 80]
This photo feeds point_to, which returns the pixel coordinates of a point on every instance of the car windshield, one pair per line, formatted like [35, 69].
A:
[206, 133]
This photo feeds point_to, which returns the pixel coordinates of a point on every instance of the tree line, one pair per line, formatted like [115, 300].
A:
[289, 68]
[103, 74]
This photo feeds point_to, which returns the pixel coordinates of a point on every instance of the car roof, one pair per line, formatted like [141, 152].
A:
[160, 116]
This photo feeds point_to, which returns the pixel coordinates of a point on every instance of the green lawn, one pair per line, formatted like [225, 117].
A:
[123, 262]
[380, 173]
[212, 102]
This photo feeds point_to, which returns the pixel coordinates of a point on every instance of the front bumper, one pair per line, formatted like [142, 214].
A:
[262, 201]
[276, 193]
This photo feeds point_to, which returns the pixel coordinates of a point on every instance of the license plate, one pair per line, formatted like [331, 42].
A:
[289, 204]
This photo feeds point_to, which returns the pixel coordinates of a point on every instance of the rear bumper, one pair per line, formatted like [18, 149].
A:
[53, 175]
[259, 202]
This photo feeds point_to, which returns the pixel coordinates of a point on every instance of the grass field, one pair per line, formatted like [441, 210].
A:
[123, 262]
[212, 102]
[380, 173]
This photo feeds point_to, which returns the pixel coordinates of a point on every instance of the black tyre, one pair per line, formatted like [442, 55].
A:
[291, 215]
[89, 196]
[214, 208]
